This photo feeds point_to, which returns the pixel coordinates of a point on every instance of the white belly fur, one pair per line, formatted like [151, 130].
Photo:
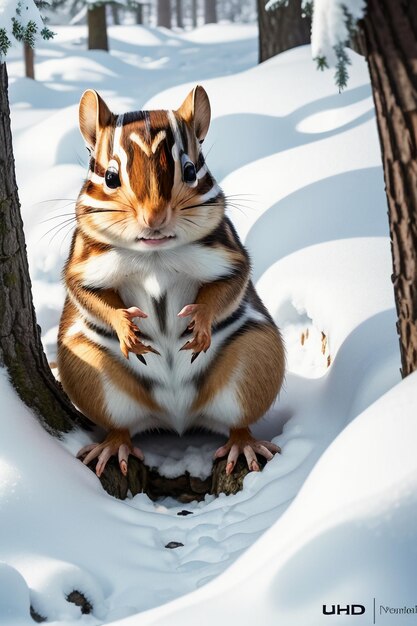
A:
[173, 370]
[140, 284]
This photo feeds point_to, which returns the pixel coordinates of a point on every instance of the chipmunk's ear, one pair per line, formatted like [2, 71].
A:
[196, 110]
[94, 114]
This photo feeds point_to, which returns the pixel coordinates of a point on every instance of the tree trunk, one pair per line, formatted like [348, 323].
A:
[233, 11]
[390, 40]
[179, 13]
[194, 13]
[115, 14]
[97, 28]
[21, 351]
[281, 29]
[210, 12]
[139, 14]
[163, 15]
[29, 55]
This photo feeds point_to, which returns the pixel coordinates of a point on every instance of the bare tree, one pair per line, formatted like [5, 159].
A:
[115, 11]
[139, 14]
[163, 13]
[210, 12]
[29, 57]
[179, 13]
[97, 27]
[194, 13]
[138, 6]
[282, 28]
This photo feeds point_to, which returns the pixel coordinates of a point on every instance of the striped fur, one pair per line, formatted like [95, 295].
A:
[161, 243]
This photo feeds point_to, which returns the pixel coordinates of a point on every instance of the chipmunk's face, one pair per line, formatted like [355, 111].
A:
[148, 187]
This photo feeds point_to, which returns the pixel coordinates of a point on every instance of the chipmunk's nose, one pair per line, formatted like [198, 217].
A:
[156, 217]
[155, 220]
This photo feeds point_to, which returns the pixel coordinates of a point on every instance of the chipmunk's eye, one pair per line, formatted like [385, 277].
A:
[112, 178]
[189, 173]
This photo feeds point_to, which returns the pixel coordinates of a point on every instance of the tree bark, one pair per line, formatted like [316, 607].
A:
[390, 41]
[210, 12]
[281, 29]
[179, 13]
[194, 13]
[97, 28]
[21, 351]
[163, 14]
[29, 55]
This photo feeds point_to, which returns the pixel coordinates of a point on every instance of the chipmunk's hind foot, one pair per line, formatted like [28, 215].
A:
[117, 443]
[242, 442]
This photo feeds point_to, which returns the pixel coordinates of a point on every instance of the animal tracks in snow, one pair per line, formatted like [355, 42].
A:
[307, 346]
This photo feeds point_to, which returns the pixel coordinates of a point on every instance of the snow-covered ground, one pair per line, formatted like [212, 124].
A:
[330, 521]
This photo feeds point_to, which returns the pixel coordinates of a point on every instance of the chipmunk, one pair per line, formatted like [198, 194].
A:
[156, 277]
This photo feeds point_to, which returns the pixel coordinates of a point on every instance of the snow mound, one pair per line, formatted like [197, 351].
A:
[349, 536]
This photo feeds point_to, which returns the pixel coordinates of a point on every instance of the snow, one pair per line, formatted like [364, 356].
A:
[23, 11]
[348, 536]
[330, 520]
[329, 27]
[183, 453]
[14, 595]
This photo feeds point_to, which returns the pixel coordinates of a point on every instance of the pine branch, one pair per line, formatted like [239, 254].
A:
[321, 63]
[341, 76]
[342, 59]
[5, 42]
[307, 8]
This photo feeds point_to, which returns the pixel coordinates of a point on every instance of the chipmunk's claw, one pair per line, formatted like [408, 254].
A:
[153, 350]
[194, 356]
[249, 447]
[200, 326]
[117, 443]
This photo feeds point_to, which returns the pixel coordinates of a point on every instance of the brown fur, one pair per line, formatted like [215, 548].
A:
[81, 363]
[258, 355]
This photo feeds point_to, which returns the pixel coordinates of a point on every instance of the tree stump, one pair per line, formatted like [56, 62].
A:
[185, 488]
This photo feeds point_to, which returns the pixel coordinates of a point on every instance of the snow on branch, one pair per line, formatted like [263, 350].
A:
[332, 27]
[331, 32]
[94, 3]
[306, 6]
[275, 4]
[21, 20]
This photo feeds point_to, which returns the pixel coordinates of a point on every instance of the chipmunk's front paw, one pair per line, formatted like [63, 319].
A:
[242, 442]
[118, 443]
[200, 325]
[127, 334]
